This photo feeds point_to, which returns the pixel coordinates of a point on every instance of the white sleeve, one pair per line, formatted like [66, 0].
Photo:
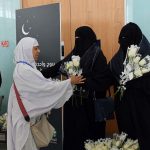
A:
[40, 95]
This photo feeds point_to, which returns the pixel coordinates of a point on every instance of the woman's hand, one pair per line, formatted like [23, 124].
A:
[77, 79]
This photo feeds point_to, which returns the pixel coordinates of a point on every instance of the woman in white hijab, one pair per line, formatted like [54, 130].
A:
[38, 94]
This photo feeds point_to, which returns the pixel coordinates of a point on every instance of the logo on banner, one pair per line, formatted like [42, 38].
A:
[4, 43]
[23, 31]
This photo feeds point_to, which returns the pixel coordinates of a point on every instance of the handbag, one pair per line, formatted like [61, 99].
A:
[42, 130]
[104, 108]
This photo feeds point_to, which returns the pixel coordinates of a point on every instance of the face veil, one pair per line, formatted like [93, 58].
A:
[129, 34]
[84, 38]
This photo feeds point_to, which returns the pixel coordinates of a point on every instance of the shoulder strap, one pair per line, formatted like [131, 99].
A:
[22, 108]
[94, 58]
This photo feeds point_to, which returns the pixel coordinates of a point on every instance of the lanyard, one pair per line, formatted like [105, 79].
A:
[24, 62]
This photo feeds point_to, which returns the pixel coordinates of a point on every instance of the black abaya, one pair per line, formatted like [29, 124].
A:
[79, 115]
[133, 109]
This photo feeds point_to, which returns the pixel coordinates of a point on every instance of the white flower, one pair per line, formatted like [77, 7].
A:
[137, 59]
[89, 145]
[3, 121]
[145, 70]
[134, 67]
[76, 60]
[118, 142]
[138, 73]
[132, 50]
[72, 67]
[70, 71]
[69, 64]
[131, 75]
[142, 62]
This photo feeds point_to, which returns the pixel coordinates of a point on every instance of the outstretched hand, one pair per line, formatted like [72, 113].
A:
[77, 79]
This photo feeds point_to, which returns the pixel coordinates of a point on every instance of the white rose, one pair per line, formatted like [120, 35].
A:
[131, 75]
[145, 70]
[89, 146]
[75, 62]
[69, 65]
[132, 50]
[137, 59]
[142, 62]
[138, 73]
[70, 71]
[101, 147]
[118, 143]
[104, 148]
[75, 57]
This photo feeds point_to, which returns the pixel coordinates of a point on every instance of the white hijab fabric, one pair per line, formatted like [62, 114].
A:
[39, 95]
[23, 50]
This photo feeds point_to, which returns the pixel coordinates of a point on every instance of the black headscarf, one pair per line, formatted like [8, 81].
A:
[84, 38]
[129, 34]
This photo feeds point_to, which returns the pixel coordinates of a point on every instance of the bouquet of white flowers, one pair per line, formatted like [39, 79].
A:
[3, 121]
[118, 142]
[72, 67]
[134, 66]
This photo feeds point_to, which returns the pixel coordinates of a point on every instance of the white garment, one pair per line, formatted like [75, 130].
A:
[39, 95]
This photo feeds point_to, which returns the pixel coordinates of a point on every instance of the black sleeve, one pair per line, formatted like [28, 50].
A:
[0, 80]
[55, 70]
[52, 71]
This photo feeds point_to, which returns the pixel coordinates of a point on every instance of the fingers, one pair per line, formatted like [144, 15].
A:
[80, 79]
[77, 79]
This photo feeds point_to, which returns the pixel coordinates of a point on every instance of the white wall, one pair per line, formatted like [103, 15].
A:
[138, 11]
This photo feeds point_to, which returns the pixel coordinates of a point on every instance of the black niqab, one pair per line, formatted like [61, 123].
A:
[131, 117]
[129, 34]
[84, 38]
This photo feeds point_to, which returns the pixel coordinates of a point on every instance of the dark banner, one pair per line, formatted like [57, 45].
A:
[43, 23]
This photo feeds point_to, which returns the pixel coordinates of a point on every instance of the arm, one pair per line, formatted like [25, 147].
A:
[53, 71]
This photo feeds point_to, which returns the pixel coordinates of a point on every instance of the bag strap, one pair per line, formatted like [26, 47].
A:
[94, 58]
[22, 108]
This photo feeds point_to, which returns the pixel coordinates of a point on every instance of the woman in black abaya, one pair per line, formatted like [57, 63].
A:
[79, 116]
[133, 109]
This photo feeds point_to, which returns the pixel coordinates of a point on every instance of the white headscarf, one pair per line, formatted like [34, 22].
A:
[38, 94]
[23, 50]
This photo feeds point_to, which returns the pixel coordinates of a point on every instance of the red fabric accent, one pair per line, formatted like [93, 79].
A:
[22, 108]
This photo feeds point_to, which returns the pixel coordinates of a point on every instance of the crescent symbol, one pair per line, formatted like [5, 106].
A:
[25, 33]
